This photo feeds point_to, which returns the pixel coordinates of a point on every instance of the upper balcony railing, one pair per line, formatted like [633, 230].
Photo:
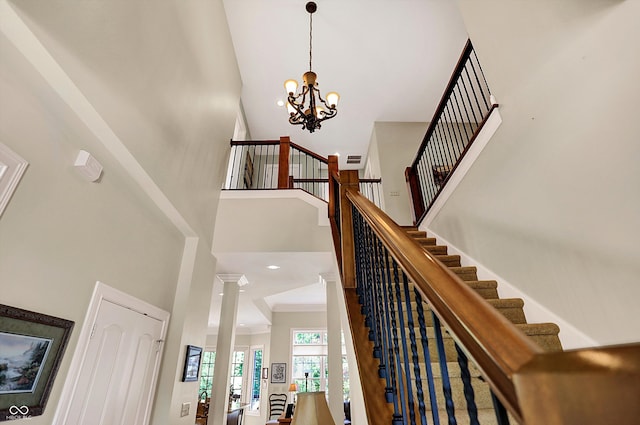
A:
[282, 164]
[465, 105]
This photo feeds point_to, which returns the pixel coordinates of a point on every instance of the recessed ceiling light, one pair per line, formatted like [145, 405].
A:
[241, 290]
[273, 267]
[242, 324]
[221, 293]
[280, 102]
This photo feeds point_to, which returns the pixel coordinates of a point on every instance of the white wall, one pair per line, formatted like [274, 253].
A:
[392, 149]
[552, 202]
[127, 82]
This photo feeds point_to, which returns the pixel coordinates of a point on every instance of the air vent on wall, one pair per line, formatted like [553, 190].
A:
[354, 159]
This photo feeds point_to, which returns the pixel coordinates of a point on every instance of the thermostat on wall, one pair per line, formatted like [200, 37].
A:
[88, 166]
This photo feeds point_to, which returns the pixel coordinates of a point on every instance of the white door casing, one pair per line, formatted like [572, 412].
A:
[116, 362]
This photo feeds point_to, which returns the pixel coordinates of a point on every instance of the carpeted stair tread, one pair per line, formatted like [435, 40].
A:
[449, 260]
[436, 249]
[544, 334]
[425, 241]
[465, 272]
[485, 288]
[417, 233]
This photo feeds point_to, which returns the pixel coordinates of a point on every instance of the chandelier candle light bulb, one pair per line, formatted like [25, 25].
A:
[308, 108]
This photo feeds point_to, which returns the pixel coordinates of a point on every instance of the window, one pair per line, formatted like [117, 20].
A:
[345, 375]
[235, 381]
[206, 374]
[310, 357]
[256, 375]
[241, 377]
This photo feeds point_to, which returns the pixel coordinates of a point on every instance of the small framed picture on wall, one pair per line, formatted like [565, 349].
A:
[278, 373]
[191, 364]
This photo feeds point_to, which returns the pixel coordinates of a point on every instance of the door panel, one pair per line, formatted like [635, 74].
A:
[114, 386]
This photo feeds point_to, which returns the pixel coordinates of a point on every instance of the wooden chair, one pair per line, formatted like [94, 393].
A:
[277, 403]
[235, 417]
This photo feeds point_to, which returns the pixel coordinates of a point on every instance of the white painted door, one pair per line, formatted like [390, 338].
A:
[115, 385]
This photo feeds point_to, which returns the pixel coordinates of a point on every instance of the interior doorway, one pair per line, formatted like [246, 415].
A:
[116, 363]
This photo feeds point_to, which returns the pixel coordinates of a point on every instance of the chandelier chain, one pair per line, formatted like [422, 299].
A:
[310, 37]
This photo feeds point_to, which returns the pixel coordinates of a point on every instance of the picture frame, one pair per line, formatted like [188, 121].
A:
[12, 167]
[192, 360]
[31, 349]
[278, 373]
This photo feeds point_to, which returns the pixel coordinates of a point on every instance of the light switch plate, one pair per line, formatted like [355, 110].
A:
[185, 409]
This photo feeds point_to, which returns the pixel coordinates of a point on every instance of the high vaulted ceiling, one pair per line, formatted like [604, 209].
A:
[388, 59]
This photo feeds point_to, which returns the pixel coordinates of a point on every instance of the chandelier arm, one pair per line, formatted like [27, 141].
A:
[330, 111]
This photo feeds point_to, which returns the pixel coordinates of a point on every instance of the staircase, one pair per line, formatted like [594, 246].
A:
[544, 334]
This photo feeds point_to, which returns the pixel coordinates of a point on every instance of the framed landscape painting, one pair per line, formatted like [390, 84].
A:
[31, 349]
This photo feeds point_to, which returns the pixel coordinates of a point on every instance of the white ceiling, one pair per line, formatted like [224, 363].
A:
[389, 60]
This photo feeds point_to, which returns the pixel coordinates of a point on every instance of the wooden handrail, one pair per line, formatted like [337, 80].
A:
[497, 346]
[466, 52]
[310, 180]
[310, 153]
[254, 142]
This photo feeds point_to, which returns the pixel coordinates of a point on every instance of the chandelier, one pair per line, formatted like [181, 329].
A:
[308, 108]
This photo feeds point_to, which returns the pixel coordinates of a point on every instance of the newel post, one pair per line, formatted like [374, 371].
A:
[283, 163]
[348, 179]
[417, 200]
[332, 165]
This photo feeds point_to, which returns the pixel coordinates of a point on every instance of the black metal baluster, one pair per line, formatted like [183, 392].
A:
[232, 158]
[480, 86]
[458, 137]
[390, 390]
[398, 416]
[427, 357]
[469, 395]
[463, 116]
[473, 90]
[461, 122]
[502, 417]
[414, 351]
[451, 131]
[444, 371]
[424, 178]
[403, 340]
[466, 90]
[442, 164]
[439, 138]
[272, 168]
